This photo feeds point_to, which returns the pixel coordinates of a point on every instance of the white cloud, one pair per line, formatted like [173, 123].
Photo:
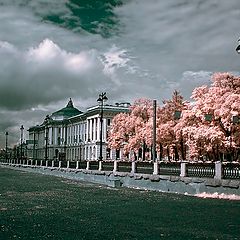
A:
[113, 59]
[49, 52]
[46, 51]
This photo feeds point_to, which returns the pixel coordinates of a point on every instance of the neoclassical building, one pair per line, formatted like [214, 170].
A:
[69, 134]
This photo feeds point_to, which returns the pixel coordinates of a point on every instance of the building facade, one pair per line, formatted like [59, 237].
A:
[69, 134]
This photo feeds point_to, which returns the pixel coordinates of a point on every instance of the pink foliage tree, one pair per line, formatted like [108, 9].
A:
[171, 141]
[130, 131]
[208, 123]
[205, 128]
[133, 131]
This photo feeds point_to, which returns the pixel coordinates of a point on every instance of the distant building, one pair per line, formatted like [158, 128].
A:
[69, 134]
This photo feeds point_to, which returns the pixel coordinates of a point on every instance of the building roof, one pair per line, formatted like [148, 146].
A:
[66, 112]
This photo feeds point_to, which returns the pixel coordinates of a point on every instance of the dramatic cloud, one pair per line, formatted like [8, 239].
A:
[42, 74]
[53, 50]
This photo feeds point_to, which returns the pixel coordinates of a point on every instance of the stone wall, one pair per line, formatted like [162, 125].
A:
[173, 184]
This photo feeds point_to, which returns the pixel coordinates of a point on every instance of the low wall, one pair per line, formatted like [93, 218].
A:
[163, 183]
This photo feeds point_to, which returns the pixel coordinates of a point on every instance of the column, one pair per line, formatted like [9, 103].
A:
[87, 130]
[104, 129]
[49, 136]
[98, 129]
[87, 168]
[90, 130]
[183, 169]
[61, 135]
[155, 167]
[115, 166]
[218, 170]
[133, 167]
[94, 129]
[100, 166]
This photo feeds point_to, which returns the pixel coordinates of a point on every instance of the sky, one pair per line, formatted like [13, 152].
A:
[53, 50]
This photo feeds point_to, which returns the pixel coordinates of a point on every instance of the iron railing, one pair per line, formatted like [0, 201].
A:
[199, 170]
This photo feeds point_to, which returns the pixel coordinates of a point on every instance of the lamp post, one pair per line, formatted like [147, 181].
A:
[46, 122]
[155, 163]
[6, 156]
[154, 130]
[21, 152]
[101, 99]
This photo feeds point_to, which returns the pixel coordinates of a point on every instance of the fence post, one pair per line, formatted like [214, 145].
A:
[41, 163]
[133, 167]
[115, 166]
[60, 164]
[88, 165]
[100, 166]
[218, 170]
[77, 165]
[31, 162]
[46, 163]
[52, 163]
[68, 164]
[155, 168]
[183, 169]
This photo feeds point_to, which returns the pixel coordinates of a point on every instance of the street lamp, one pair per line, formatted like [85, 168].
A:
[154, 130]
[6, 146]
[101, 99]
[46, 122]
[155, 163]
[21, 152]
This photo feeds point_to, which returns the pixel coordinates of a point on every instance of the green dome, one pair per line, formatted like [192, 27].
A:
[67, 112]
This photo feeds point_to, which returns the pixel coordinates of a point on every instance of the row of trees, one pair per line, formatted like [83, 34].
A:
[205, 129]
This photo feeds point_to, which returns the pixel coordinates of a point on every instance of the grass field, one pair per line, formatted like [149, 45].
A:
[34, 206]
